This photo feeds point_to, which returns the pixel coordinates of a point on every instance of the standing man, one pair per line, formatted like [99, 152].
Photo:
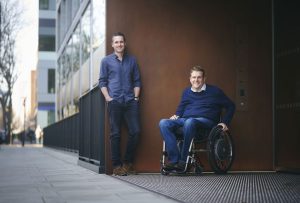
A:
[120, 84]
[201, 106]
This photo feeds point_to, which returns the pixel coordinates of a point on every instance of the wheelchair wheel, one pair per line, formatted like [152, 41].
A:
[221, 150]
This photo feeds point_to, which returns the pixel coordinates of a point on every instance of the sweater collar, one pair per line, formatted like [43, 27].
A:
[203, 88]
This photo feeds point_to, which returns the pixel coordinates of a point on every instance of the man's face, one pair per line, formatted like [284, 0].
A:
[118, 44]
[197, 80]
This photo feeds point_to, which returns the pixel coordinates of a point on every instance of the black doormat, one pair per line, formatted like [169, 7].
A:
[232, 187]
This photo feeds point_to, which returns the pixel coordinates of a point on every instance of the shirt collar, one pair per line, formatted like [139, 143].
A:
[116, 57]
[203, 88]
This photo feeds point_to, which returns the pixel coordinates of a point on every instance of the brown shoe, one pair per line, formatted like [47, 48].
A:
[119, 171]
[128, 167]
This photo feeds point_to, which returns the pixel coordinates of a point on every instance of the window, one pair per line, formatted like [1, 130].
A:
[63, 70]
[44, 4]
[46, 43]
[51, 81]
[98, 23]
[75, 6]
[68, 58]
[46, 22]
[86, 34]
[76, 48]
[51, 117]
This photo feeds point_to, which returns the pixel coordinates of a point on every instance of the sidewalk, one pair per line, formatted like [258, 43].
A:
[35, 174]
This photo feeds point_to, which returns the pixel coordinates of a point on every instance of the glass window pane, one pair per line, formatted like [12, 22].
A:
[44, 4]
[69, 60]
[76, 48]
[51, 81]
[46, 43]
[63, 68]
[51, 117]
[85, 34]
[75, 6]
[98, 23]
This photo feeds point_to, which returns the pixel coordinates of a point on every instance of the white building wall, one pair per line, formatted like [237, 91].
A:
[47, 60]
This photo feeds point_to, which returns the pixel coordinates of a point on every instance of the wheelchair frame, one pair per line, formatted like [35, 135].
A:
[219, 146]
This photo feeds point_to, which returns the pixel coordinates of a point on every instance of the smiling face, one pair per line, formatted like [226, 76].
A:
[197, 79]
[118, 44]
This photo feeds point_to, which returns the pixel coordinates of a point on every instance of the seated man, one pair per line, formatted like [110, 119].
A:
[200, 106]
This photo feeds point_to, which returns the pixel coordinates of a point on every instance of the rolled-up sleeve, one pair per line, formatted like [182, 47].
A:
[103, 76]
[136, 76]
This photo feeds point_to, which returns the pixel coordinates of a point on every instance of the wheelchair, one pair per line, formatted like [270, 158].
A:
[218, 145]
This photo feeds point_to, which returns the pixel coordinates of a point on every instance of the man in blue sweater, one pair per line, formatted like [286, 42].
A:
[200, 107]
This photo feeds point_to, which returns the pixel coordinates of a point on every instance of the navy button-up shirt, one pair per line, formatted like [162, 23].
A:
[119, 77]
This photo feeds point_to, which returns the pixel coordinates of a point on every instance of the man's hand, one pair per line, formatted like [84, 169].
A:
[224, 126]
[174, 117]
[108, 99]
[105, 94]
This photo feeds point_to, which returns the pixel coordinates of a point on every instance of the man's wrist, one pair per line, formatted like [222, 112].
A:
[108, 99]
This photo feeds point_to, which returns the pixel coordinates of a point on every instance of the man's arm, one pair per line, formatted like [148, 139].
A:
[230, 109]
[136, 79]
[103, 81]
[137, 92]
[182, 104]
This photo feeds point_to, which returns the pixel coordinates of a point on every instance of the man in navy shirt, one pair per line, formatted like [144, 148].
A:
[200, 106]
[120, 84]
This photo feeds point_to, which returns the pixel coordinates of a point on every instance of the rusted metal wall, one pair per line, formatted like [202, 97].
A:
[231, 39]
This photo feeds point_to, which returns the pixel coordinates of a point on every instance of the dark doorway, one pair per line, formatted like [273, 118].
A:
[287, 85]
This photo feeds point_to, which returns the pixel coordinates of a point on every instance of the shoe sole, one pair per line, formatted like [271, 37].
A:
[120, 174]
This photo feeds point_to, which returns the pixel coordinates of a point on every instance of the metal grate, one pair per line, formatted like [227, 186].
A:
[240, 188]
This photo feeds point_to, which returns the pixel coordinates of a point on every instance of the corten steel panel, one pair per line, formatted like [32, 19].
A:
[168, 38]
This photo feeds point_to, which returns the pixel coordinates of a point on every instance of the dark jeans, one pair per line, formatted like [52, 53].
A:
[190, 126]
[118, 112]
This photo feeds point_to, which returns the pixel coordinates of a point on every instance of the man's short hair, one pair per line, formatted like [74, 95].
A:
[199, 69]
[118, 34]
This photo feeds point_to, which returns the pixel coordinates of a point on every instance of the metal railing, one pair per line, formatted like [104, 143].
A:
[63, 134]
[83, 132]
[91, 139]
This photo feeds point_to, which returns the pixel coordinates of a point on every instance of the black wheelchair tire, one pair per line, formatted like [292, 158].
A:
[220, 142]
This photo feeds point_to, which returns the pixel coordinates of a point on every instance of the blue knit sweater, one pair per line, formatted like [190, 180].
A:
[208, 104]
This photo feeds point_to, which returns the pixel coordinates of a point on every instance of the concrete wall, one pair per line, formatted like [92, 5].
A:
[231, 39]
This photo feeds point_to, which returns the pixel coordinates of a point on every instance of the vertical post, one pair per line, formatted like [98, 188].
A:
[24, 134]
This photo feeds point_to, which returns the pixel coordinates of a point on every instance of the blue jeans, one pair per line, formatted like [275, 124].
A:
[190, 126]
[118, 112]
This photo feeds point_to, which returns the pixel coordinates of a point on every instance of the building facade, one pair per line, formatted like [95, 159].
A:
[80, 45]
[46, 67]
[242, 45]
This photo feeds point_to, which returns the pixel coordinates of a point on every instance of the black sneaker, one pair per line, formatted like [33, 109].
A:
[180, 167]
[170, 166]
